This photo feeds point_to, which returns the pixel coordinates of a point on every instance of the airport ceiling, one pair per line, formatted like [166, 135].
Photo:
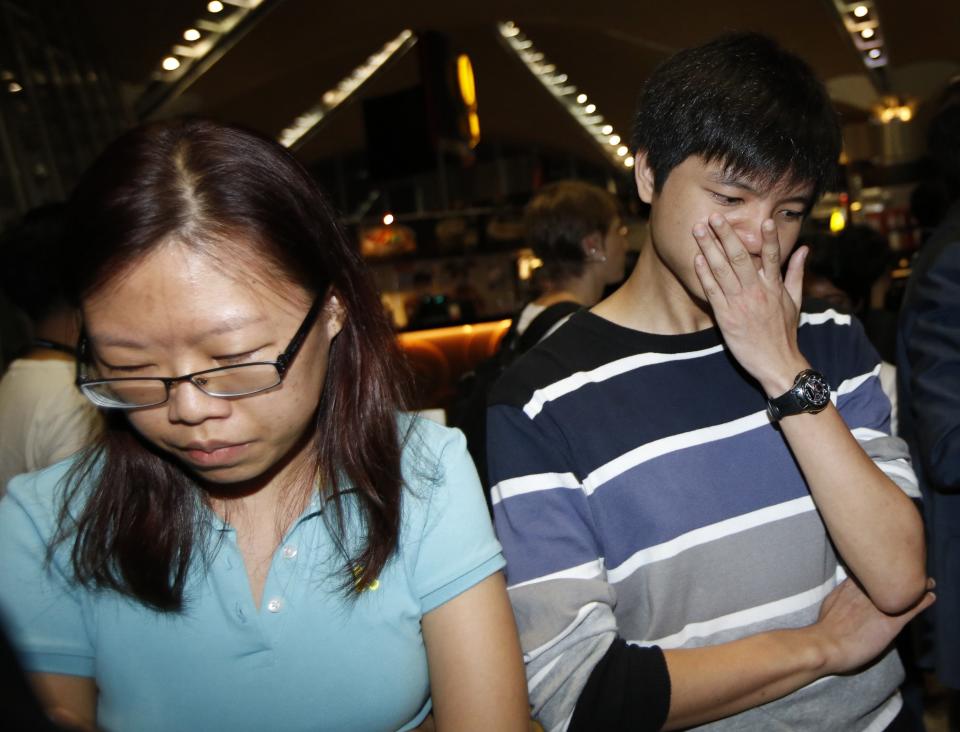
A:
[298, 49]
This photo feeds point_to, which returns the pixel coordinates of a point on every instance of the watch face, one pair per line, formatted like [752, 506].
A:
[816, 390]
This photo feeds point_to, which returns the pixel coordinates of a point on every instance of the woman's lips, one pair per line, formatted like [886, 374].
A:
[214, 454]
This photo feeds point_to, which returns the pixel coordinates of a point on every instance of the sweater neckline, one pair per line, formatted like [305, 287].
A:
[656, 342]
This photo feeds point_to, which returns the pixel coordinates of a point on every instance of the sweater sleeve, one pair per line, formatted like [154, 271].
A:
[576, 664]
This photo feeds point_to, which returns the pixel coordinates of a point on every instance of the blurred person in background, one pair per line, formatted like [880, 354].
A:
[928, 345]
[576, 232]
[43, 416]
[851, 273]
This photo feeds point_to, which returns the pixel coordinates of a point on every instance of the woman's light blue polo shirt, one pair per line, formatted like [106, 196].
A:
[308, 659]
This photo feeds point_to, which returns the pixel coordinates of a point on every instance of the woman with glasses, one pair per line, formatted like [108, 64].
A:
[261, 539]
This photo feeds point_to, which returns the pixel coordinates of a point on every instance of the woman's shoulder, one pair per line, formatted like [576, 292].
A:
[447, 539]
[439, 475]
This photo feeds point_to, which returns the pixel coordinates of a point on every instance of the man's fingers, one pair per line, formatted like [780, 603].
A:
[716, 259]
[793, 282]
[711, 287]
[770, 251]
[926, 601]
[740, 259]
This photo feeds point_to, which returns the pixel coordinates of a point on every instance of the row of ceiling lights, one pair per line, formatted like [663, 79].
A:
[862, 22]
[346, 88]
[578, 105]
[203, 35]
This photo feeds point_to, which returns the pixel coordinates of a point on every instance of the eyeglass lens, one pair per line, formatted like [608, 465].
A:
[227, 382]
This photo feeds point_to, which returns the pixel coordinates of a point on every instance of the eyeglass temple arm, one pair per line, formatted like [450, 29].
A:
[284, 359]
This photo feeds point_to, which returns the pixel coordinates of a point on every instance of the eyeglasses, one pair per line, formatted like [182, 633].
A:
[227, 381]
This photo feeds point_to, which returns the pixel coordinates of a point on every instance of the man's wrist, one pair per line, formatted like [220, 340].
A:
[813, 649]
[781, 380]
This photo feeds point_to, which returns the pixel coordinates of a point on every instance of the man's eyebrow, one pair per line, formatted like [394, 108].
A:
[729, 179]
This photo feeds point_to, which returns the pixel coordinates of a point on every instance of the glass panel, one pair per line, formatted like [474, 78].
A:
[140, 392]
[239, 380]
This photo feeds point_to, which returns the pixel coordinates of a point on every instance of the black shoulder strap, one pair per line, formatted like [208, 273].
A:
[542, 324]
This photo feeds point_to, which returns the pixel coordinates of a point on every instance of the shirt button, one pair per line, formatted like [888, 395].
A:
[289, 552]
[275, 605]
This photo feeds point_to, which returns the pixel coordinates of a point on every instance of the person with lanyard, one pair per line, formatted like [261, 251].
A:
[261, 538]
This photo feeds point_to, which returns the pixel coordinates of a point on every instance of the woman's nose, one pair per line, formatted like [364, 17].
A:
[189, 405]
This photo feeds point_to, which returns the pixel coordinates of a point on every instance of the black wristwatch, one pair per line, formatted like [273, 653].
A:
[810, 393]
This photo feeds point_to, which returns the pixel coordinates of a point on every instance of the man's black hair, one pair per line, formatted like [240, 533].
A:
[745, 102]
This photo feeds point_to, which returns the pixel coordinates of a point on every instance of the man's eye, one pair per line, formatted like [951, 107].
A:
[725, 200]
[790, 215]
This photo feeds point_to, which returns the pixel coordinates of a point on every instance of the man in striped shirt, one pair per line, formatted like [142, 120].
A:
[678, 495]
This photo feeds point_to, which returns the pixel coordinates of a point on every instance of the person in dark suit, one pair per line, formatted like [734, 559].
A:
[929, 383]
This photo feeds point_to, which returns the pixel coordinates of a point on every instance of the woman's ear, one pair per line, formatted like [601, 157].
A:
[643, 175]
[335, 315]
[594, 249]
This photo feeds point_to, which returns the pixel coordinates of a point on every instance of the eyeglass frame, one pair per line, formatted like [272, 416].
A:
[282, 364]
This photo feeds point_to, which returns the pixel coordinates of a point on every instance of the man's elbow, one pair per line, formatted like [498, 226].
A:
[903, 593]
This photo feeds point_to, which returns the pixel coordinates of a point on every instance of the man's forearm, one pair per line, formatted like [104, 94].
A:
[875, 527]
[716, 681]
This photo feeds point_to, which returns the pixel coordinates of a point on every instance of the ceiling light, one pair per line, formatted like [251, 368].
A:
[875, 53]
[628, 162]
[14, 87]
[622, 150]
[581, 98]
[170, 63]
[861, 10]
[214, 6]
[191, 34]
[867, 33]
[388, 219]
[614, 139]
[606, 129]
[590, 108]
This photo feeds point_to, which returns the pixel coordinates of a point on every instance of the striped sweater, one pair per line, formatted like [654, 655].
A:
[642, 495]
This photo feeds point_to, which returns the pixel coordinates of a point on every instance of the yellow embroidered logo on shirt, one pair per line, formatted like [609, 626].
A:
[372, 586]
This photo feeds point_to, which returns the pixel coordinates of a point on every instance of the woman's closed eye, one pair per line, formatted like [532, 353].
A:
[234, 359]
[132, 369]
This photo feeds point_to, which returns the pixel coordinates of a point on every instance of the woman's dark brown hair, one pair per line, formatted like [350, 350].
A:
[132, 512]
